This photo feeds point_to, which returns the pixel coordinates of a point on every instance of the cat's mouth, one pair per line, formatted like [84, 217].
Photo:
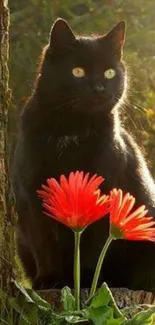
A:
[98, 99]
[96, 103]
[101, 101]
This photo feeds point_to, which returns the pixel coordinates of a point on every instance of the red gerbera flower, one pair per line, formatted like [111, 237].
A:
[127, 224]
[76, 201]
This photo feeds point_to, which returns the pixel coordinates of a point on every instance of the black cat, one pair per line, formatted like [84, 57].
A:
[72, 122]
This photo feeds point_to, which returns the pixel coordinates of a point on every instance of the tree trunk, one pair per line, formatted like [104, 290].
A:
[6, 212]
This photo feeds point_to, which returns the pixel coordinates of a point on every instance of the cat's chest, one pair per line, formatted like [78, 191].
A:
[72, 150]
[92, 153]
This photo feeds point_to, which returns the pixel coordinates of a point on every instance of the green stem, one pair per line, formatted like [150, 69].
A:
[77, 269]
[99, 265]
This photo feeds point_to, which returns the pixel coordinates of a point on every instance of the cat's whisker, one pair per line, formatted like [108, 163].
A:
[66, 104]
[123, 107]
[133, 106]
[130, 105]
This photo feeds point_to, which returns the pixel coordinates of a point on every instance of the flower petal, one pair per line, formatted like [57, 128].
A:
[130, 225]
[75, 201]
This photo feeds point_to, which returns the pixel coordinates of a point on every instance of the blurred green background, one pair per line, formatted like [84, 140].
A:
[31, 21]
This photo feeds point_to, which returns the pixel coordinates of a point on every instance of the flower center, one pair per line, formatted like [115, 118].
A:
[116, 232]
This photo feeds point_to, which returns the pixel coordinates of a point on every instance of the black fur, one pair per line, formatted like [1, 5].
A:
[69, 125]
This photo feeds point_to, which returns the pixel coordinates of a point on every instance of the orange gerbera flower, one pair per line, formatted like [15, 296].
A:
[76, 201]
[126, 224]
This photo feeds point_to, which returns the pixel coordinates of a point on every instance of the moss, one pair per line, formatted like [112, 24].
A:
[6, 211]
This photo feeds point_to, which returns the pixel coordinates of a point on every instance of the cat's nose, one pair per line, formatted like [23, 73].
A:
[99, 88]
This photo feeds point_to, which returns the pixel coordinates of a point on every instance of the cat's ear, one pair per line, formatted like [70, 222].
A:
[117, 36]
[61, 36]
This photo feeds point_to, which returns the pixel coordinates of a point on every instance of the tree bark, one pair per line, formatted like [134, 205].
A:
[6, 213]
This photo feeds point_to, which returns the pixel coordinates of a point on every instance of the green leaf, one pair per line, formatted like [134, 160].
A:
[70, 317]
[99, 315]
[103, 308]
[37, 299]
[67, 299]
[104, 315]
[28, 312]
[102, 298]
[30, 306]
[23, 291]
[75, 319]
[30, 296]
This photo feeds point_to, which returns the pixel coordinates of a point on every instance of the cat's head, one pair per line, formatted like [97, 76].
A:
[83, 74]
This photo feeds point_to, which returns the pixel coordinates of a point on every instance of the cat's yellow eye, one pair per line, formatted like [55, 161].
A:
[78, 72]
[110, 73]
